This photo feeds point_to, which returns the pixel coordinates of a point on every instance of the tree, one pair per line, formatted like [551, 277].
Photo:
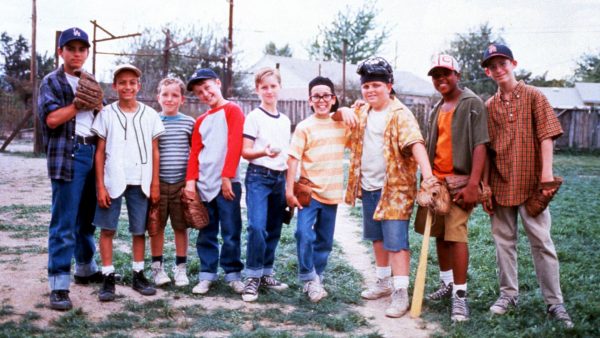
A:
[588, 68]
[271, 49]
[541, 80]
[357, 29]
[467, 48]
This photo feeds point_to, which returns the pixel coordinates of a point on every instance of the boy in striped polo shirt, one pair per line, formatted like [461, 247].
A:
[318, 143]
[174, 148]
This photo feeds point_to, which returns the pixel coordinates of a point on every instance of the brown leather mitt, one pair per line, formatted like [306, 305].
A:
[455, 183]
[434, 195]
[89, 94]
[194, 211]
[303, 191]
[537, 202]
[153, 221]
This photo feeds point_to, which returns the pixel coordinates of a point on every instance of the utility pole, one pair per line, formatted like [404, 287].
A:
[229, 75]
[344, 49]
[37, 132]
[112, 37]
[170, 44]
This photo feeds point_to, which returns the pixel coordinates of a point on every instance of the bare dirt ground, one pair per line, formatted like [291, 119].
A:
[24, 283]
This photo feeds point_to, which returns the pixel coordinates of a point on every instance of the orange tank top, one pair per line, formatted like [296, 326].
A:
[442, 163]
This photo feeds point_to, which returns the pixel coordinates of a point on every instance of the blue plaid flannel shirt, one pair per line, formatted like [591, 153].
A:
[56, 93]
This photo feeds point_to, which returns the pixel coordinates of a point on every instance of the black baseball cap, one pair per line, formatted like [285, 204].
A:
[375, 69]
[73, 34]
[496, 49]
[199, 75]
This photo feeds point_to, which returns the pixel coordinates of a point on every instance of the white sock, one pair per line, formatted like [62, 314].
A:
[383, 271]
[137, 266]
[107, 270]
[457, 287]
[400, 282]
[447, 277]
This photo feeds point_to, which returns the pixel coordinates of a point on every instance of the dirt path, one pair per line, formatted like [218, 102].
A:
[348, 235]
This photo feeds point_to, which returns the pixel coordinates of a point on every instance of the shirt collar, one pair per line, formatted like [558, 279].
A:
[515, 94]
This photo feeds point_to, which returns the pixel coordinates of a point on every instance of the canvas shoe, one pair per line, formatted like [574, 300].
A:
[381, 288]
[141, 284]
[159, 276]
[503, 304]
[237, 286]
[180, 275]
[314, 290]
[399, 304]
[444, 291]
[460, 308]
[270, 282]
[559, 313]
[95, 278]
[202, 287]
[59, 300]
[107, 291]
[250, 293]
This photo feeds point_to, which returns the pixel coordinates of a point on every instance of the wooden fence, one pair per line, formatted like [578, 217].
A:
[581, 128]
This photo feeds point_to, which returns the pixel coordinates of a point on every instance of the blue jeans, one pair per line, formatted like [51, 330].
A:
[227, 215]
[265, 199]
[71, 232]
[314, 238]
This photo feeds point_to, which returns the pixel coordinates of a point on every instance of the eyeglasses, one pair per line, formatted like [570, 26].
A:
[316, 98]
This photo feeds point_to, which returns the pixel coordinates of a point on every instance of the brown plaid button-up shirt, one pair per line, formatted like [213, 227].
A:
[517, 126]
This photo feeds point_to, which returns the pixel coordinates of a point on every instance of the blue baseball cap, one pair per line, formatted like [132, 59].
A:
[496, 49]
[199, 75]
[73, 34]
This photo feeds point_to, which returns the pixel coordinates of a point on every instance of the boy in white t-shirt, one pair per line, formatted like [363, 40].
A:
[127, 165]
[266, 138]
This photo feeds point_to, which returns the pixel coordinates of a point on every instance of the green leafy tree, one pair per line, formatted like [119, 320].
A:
[542, 80]
[357, 28]
[467, 48]
[588, 68]
[271, 49]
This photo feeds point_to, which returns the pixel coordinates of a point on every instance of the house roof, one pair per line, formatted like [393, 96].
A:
[583, 95]
[589, 92]
[297, 73]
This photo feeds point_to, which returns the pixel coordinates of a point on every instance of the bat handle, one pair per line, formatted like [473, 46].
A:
[419, 290]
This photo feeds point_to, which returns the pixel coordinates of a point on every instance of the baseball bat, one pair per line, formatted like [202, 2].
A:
[417, 301]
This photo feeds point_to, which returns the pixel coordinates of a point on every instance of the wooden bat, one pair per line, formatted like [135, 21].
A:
[417, 301]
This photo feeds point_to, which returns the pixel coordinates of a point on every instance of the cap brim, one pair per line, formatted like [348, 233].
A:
[450, 68]
[195, 80]
[86, 42]
[485, 62]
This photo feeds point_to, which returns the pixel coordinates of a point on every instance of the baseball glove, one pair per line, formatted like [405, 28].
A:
[194, 211]
[89, 94]
[303, 191]
[153, 222]
[434, 195]
[537, 202]
[456, 183]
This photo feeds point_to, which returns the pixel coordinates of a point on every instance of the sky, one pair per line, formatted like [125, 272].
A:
[545, 36]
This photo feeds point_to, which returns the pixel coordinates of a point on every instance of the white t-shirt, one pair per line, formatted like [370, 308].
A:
[373, 162]
[265, 129]
[84, 118]
[127, 141]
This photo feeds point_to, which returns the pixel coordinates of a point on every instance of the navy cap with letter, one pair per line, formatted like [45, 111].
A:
[73, 34]
[199, 75]
[496, 49]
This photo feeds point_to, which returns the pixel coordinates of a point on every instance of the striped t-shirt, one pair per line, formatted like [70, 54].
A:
[174, 147]
[318, 143]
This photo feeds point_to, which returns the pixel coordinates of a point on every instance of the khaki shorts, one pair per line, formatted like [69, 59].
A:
[451, 227]
[170, 205]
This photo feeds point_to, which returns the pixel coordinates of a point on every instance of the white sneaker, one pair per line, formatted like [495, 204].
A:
[381, 288]
[314, 289]
[202, 287]
[180, 275]
[237, 286]
[399, 304]
[159, 276]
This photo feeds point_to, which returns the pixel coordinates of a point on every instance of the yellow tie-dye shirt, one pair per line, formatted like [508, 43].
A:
[399, 188]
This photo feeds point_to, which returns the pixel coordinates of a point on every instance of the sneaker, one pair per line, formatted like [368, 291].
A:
[159, 276]
[503, 304]
[95, 278]
[180, 275]
[559, 313]
[59, 300]
[381, 288]
[444, 291]
[460, 308]
[141, 284]
[399, 303]
[202, 287]
[250, 293]
[107, 292]
[237, 286]
[315, 291]
[272, 283]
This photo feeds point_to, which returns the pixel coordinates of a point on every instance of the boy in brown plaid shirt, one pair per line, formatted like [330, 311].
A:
[522, 127]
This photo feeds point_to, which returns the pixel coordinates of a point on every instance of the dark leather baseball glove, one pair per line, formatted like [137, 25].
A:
[537, 202]
[194, 211]
[434, 195]
[89, 94]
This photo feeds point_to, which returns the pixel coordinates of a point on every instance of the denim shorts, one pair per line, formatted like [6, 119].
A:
[137, 210]
[393, 233]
